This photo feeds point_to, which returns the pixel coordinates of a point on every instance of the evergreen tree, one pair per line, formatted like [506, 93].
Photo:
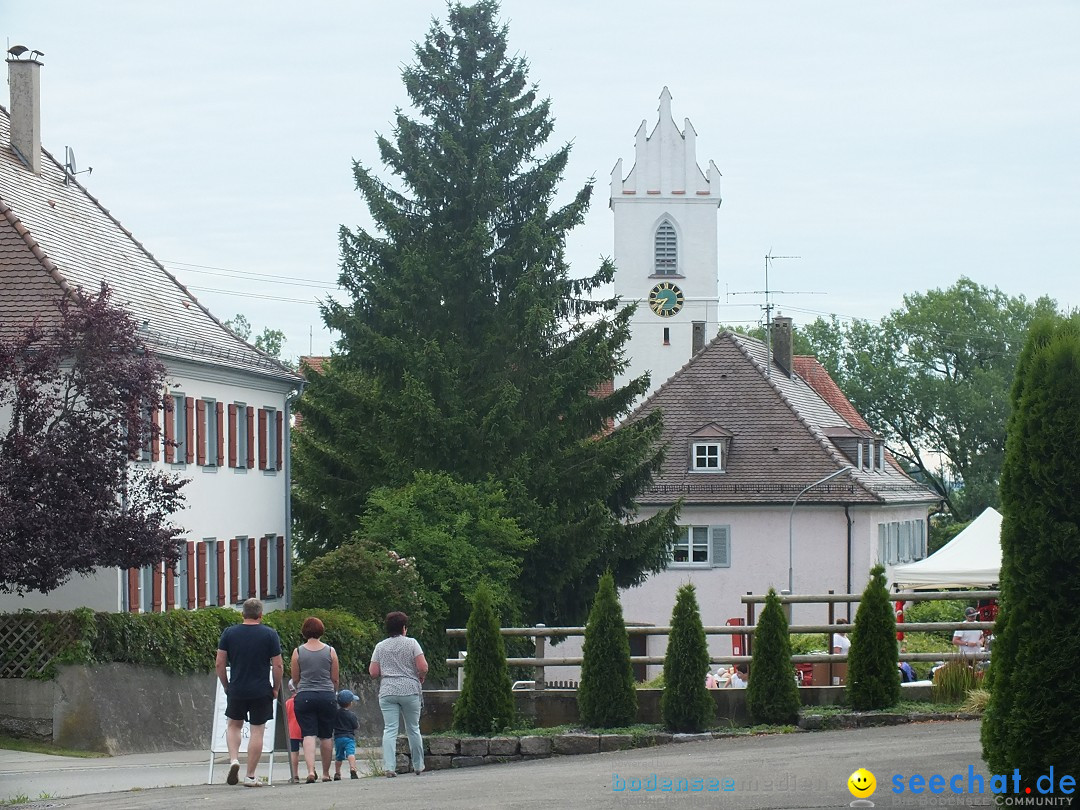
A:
[1034, 706]
[607, 696]
[686, 704]
[466, 346]
[873, 680]
[486, 703]
[772, 696]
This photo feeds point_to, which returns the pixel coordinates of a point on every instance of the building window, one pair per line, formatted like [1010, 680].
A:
[207, 438]
[702, 546]
[901, 541]
[666, 250]
[708, 457]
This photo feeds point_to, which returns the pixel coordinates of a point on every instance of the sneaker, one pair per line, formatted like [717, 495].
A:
[234, 773]
[337, 777]
[354, 775]
[252, 781]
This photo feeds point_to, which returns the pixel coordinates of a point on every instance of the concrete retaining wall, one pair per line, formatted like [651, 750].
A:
[26, 708]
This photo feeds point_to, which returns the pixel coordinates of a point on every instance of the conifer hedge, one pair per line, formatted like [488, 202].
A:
[873, 679]
[772, 695]
[686, 704]
[607, 697]
[486, 702]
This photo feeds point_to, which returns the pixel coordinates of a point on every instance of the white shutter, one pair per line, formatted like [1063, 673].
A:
[721, 546]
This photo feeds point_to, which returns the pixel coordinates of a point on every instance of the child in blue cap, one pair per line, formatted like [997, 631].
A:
[345, 735]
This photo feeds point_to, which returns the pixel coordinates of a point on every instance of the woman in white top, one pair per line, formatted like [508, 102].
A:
[840, 642]
[400, 665]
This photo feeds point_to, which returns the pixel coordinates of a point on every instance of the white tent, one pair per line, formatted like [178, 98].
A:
[971, 559]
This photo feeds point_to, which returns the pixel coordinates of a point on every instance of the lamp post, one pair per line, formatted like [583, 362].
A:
[791, 523]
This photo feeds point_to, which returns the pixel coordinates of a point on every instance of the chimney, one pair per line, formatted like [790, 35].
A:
[781, 343]
[24, 79]
[698, 337]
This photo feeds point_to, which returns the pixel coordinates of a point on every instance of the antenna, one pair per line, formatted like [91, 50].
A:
[70, 169]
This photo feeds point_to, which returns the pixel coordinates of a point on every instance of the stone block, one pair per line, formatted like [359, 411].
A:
[437, 762]
[503, 746]
[883, 719]
[654, 738]
[529, 757]
[685, 738]
[442, 745]
[403, 745]
[466, 762]
[473, 746]
[616, 742]
[535, 746]
[812, 722]
[404, 763]
[576, 744]
[495, 760]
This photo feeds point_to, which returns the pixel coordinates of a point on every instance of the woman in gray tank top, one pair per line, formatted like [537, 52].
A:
[314, 668]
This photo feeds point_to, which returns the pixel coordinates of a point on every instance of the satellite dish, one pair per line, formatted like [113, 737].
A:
[70, 169]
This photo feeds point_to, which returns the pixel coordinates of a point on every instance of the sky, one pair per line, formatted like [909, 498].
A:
[892, 147]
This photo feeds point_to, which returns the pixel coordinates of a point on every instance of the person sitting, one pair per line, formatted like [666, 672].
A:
[740, 677]
[968, 641]
[840, 642]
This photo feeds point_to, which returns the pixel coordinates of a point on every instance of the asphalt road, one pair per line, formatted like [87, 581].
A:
[803, 770]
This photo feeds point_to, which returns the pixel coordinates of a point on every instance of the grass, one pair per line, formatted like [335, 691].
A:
[22, 798]
[34, 747]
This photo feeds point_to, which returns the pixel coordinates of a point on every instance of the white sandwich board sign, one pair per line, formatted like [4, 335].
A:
[218, 744]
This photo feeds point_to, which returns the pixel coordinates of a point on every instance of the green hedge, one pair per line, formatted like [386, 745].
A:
[185, 641]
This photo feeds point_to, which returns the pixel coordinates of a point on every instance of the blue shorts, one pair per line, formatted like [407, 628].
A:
[344, 747]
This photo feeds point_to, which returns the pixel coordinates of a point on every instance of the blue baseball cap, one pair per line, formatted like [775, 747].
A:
[345, 697]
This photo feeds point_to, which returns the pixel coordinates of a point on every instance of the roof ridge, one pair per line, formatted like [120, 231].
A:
[813, 430]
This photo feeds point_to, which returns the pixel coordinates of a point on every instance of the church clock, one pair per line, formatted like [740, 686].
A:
[665, 299]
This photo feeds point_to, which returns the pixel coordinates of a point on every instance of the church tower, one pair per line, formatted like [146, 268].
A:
[665, 248]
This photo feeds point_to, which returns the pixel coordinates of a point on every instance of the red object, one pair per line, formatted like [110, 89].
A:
[899, 619]
[805, 673]
[738, 640]
[988, 610]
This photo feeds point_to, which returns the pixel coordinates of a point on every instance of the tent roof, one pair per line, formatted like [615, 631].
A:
[972, 558]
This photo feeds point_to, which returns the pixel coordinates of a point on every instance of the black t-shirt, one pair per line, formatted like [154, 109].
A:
[346, 724]
[250, 648]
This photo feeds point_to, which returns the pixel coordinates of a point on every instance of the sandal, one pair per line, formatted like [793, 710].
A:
[389, 774]
[327, 779]
[312, 779]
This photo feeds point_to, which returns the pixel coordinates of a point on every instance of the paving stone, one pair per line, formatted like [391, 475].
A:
[473, 746]
[493, 760]
[442, 745]
[535, 746]
[503, 746]
[616, 742]
[466, 762]
[576, 744]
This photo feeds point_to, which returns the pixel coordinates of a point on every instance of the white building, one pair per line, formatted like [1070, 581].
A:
[226, 405]
[665, 247]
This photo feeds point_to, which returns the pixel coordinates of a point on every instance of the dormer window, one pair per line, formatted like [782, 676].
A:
[709, 449]
[666, 248]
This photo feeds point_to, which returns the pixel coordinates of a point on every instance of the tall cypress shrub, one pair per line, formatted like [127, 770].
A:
[486, 703]
[1034, 707]
[607, 697]
[686, 704]
[772, 696]
[873, 680]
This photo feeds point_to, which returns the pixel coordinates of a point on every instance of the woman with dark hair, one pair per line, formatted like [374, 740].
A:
[315, 672]
[399, 664]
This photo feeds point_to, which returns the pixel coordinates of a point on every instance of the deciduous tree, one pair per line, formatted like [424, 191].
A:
[74, 397]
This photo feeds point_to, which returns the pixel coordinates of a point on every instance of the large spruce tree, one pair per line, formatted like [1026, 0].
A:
[1034, 707]
[466, 347]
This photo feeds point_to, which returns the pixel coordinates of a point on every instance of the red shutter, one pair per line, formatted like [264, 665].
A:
[221, 571]
[279, 416]
[264, 564]
[280, 565]
[170, 589]
[155, 434]
[170, 423]
[200, 592]
[250, 437]
[189, 425]
[191, 576]
[251, 562]
[157, 588]
[234, 569]
[200, 421]
[220, 409]
[232, 435]
[262, 438]
[133, 590]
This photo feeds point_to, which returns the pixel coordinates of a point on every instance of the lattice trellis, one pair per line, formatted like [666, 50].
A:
[29, 642]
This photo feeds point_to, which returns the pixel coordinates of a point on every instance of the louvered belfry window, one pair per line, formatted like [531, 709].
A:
[667, 250]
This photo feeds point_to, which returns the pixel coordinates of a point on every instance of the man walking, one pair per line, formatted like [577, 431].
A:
[248, 649]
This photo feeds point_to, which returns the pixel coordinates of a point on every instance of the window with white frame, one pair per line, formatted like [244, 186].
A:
[208, 432]
[212, 595]
[666, 250]
[708, 457]
[901, 541]
[267, 439]
[702, 546]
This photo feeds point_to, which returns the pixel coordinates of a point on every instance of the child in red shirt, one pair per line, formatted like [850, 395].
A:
[296, 737]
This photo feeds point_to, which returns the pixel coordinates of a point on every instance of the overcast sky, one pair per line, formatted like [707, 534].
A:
[892, 146]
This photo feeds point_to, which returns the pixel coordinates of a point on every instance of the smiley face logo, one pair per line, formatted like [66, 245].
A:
[862, 784]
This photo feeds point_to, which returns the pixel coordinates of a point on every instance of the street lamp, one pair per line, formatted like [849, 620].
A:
[791, 522]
